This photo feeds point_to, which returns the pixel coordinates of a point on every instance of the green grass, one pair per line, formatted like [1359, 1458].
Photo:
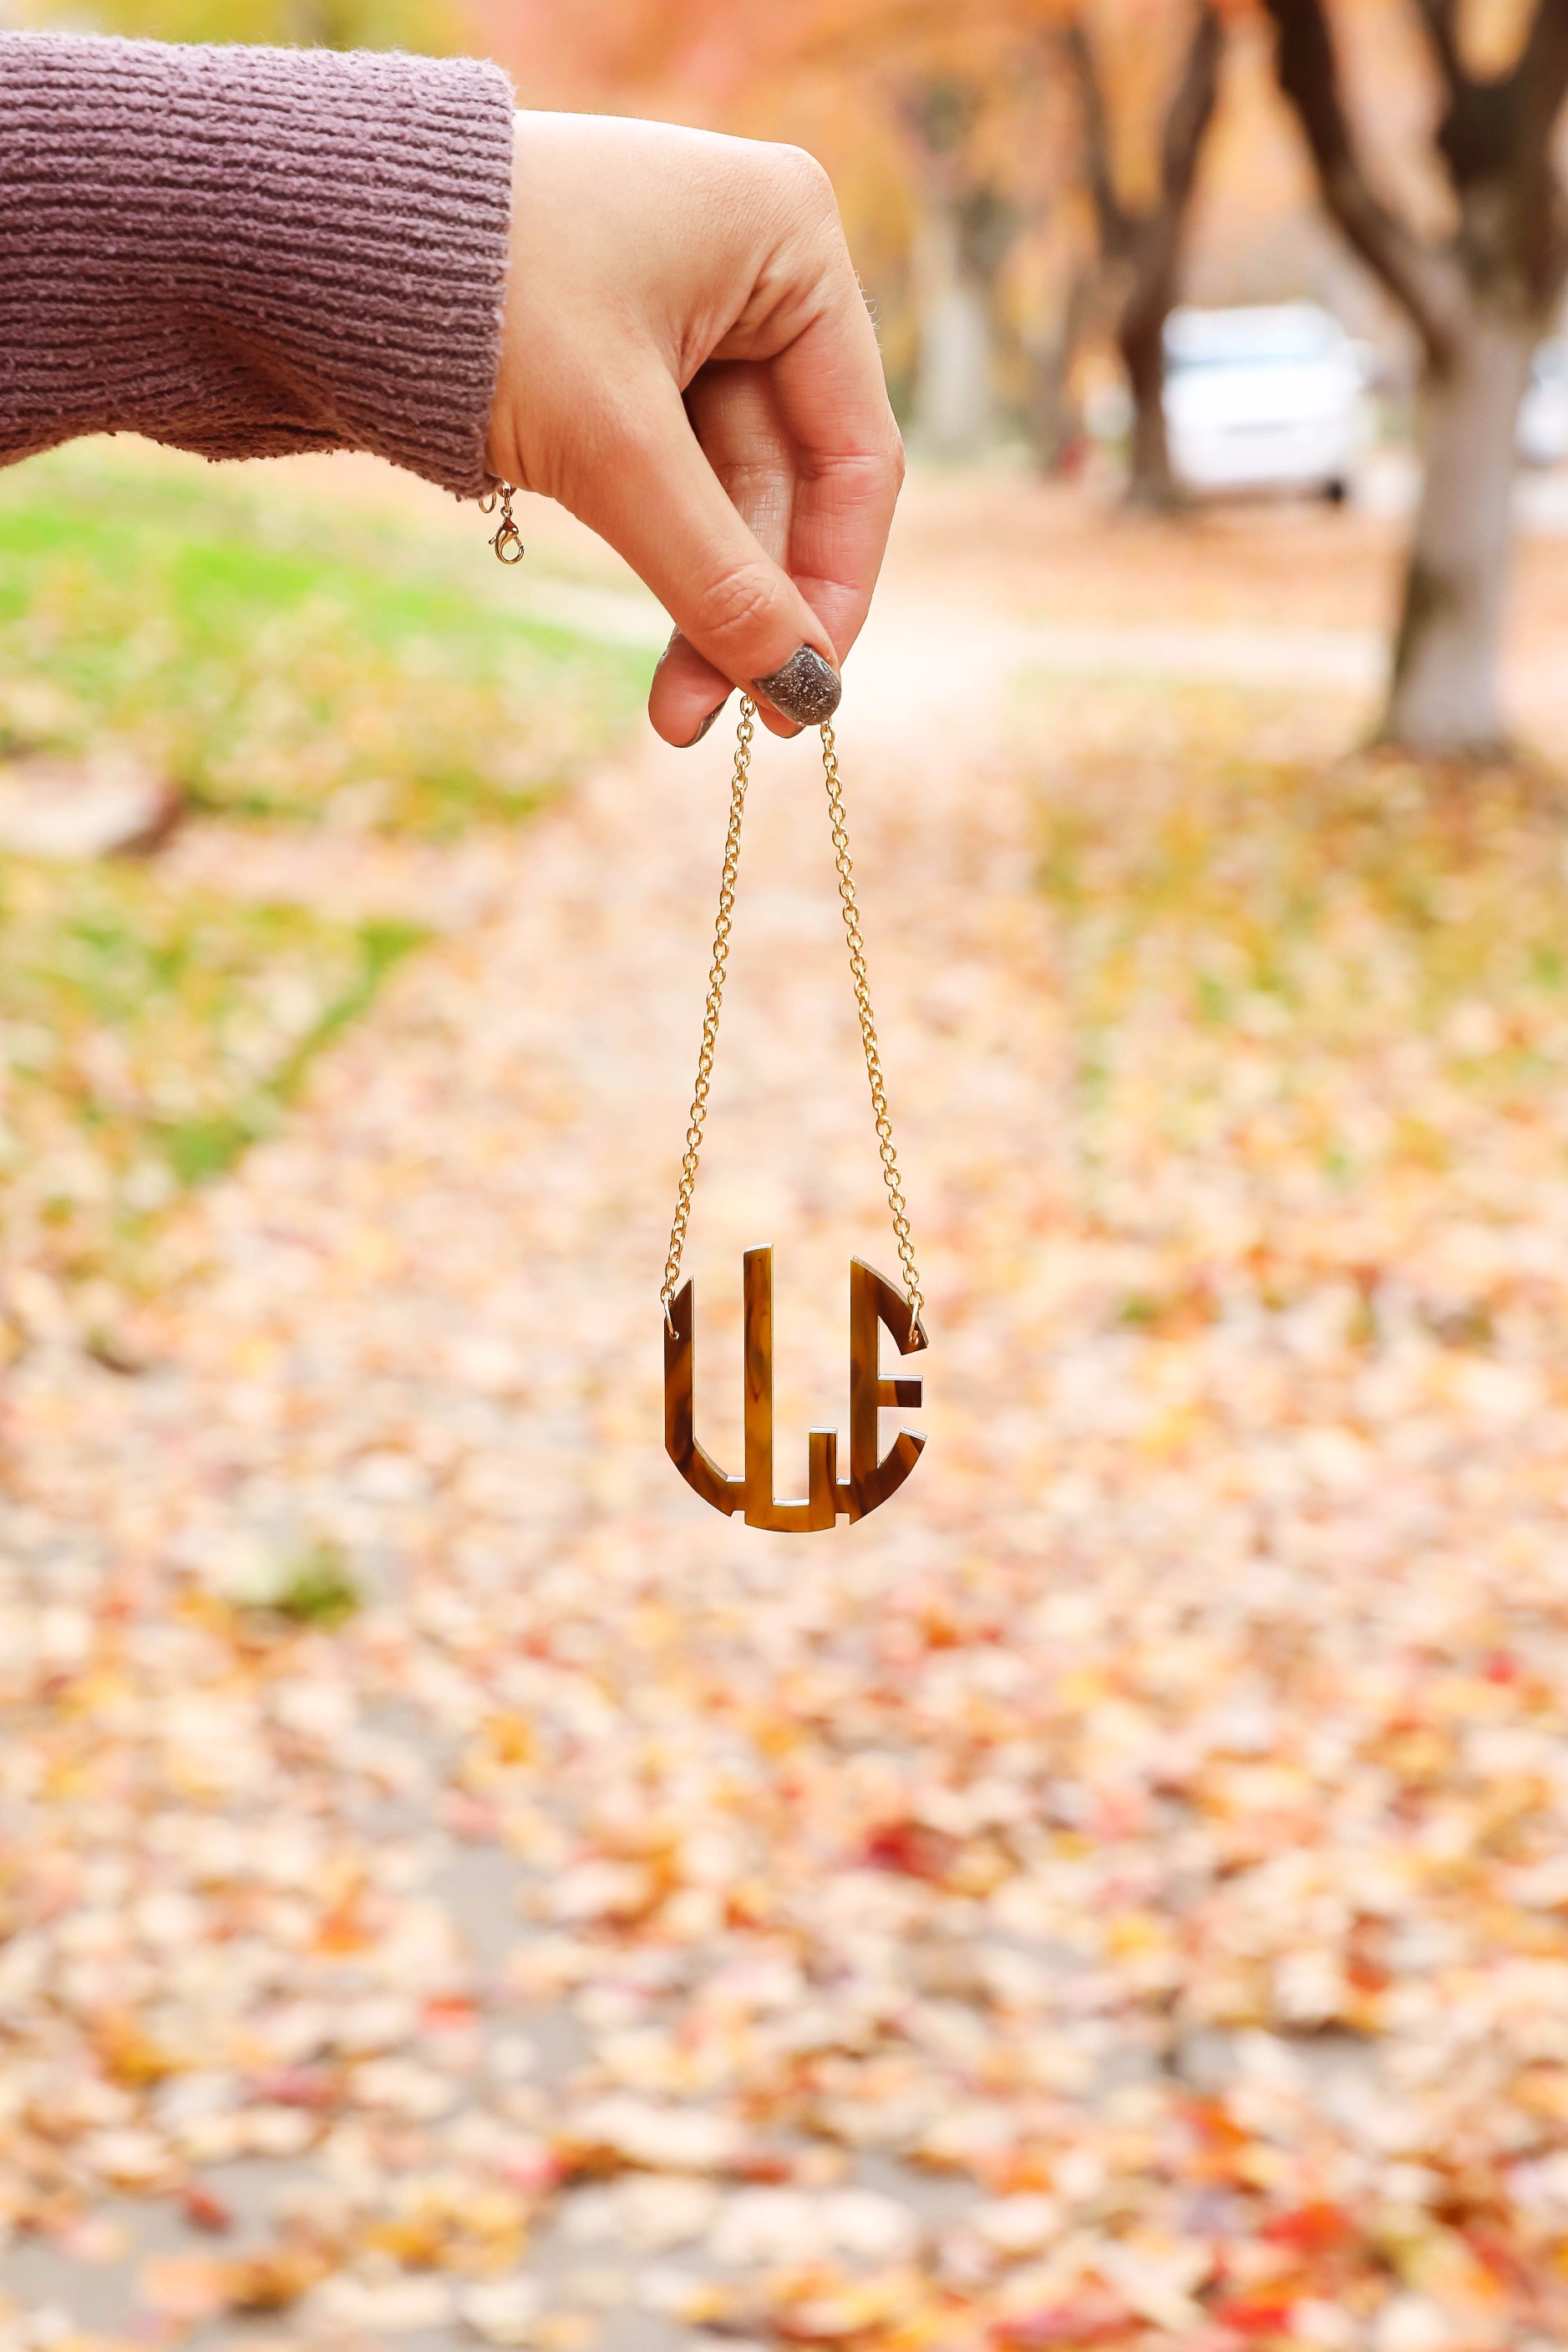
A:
[282, 662]
[320, 1589]
[150, 1036]
[277, 659]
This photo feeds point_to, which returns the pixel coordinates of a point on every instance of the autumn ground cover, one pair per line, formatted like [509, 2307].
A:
[460, 1891]
[279, 663]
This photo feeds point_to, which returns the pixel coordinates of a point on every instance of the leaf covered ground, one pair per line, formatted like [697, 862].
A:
[459, 1891]
[297, 668]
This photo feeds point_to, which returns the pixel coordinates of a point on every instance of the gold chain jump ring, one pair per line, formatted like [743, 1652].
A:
[722, 927]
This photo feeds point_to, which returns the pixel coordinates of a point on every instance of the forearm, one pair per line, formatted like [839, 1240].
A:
[248, 252]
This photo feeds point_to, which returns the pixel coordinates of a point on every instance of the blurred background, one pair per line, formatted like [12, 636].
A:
[455, 1890]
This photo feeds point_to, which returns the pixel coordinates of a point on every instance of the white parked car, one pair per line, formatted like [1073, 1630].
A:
[1543, 430]
[1268, 398]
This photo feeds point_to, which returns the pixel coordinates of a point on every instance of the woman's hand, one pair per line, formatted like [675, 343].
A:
[688, 364]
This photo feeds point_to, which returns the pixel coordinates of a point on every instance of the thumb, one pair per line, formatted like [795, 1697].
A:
[654, 497]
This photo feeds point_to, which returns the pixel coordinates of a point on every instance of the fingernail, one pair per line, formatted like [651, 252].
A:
[707, 722]
[806, 689]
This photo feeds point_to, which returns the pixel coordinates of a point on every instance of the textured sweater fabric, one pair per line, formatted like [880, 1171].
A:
[249, 252]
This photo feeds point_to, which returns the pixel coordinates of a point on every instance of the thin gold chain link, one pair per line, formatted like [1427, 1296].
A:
[722, 927]
[711, 1009]
[885, 1145]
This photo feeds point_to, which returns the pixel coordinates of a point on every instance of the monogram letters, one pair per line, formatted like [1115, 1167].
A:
[874, 1304]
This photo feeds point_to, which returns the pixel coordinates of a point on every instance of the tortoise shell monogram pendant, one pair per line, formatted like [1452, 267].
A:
[876, 1304]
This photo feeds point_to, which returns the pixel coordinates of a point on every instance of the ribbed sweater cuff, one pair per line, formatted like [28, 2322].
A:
[249, 252]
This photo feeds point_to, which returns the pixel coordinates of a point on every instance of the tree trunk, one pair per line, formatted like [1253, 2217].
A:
[1141, 248]
[1140, 338]
[1054, 426]
[954, 393]
[1443, 700]
[1478, 296]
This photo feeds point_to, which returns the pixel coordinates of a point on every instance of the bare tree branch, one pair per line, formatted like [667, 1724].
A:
[1422, 281]
[1555, 253]
[1191, 108]
[1110, 213]
[1154, 238]
[1440, 19]
[1139, 246]
[1537, 88]
[1540, 75]
[1181, 141]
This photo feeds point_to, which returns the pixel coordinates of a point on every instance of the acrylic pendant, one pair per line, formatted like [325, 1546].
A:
[874, 1305]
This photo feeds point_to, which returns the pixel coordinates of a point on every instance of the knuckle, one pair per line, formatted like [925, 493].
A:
[729, 611]
[802, 180]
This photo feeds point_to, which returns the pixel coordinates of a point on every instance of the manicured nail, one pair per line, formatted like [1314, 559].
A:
[707, 722]
[806, 689]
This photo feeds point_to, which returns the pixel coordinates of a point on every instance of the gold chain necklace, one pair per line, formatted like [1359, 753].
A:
[874, 1302]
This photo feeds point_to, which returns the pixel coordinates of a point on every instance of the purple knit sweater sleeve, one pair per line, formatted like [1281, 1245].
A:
[248, 252]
